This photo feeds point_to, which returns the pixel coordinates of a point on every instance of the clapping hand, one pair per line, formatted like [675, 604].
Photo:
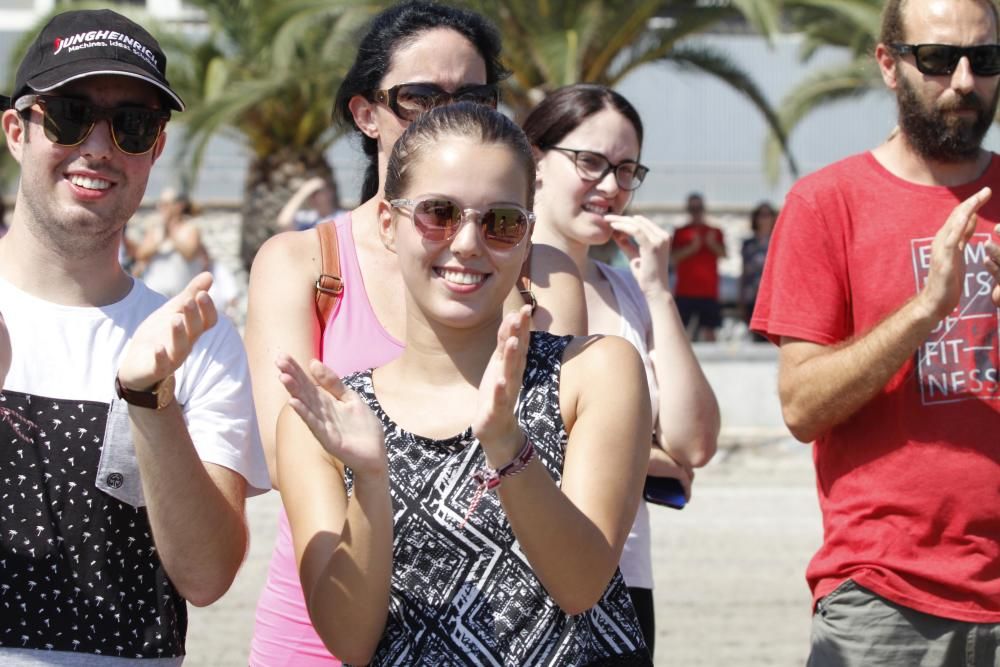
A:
[165, 338]
[943, 289]
[495, 424]
[993, 265]
[341, 421]
[647, 248]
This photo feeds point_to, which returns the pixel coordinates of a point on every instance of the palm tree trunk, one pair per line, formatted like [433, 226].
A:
[271, 180]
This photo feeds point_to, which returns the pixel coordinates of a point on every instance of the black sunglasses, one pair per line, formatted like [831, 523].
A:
[409, 100]
[438, 219]
[592, 166]
[942, 59]
[69, 121]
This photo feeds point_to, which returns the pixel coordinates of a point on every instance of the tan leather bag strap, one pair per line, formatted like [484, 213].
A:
[329, 285]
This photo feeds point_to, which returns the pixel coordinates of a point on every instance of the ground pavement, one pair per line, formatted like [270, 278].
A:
[729, 567]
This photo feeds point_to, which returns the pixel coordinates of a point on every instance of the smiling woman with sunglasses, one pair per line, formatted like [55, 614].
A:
[416, 56]
[450, 511]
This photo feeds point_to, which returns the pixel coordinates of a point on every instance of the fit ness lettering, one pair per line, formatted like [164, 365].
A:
[959, 361]
[84, 40]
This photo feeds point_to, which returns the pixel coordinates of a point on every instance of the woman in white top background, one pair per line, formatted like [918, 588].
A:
[587, 141]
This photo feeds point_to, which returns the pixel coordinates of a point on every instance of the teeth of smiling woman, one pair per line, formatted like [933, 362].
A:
[89, 183]
[600, 210]
[461, 277]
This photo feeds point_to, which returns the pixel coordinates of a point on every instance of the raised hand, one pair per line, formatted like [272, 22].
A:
[495, 423]
[165, 338]
[340, 420]
[947, 271]
[993, 265]
[647, 247]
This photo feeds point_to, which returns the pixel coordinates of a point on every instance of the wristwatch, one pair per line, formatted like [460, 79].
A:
[157, 397]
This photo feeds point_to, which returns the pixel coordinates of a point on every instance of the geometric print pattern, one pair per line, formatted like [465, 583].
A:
[78, 568]
[468, 596]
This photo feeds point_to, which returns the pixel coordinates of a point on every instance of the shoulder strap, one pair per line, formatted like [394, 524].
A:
[524, 284]
[329, 285]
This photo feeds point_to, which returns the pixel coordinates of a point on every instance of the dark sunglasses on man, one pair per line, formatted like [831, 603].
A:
[409, 100]
[942, 59]
[68, 121]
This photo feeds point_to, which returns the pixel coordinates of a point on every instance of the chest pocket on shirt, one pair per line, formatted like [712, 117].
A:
[118, 469]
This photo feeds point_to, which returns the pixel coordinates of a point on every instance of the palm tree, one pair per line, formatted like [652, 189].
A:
[266, 73]
[551, 43]
[850, 24]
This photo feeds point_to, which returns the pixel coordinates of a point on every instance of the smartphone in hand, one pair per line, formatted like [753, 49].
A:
[667, 491]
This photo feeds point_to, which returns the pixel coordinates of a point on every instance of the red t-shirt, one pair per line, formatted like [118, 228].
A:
[698, 275]
[909, 486]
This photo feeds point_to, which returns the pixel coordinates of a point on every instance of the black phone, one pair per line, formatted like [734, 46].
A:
[667, 491]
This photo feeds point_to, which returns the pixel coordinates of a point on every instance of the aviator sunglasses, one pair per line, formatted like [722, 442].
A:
[68, 122]
[409, 100]
[942, 59]
[438, 219]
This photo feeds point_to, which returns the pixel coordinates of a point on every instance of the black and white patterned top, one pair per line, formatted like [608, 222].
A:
[469, 596]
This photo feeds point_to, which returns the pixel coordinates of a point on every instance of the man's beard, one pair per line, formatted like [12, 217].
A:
[936, 133]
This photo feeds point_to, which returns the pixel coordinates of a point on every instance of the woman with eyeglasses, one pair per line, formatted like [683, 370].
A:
[451, 512]
[415, 56]
[587, 141]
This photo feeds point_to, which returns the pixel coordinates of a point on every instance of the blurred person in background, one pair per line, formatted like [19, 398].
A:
[316, 199]
[754, 253]
[695, 254]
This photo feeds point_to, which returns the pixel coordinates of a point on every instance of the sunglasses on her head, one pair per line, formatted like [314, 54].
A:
[942, 59]
[591, 166]
[409, 100]
[69, 121]
[438, 219]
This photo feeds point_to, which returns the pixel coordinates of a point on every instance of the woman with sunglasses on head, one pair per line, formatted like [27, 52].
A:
[451, 511]
[587, 141]
[414, 57]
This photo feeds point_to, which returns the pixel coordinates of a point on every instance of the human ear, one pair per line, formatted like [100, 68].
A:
[363, 113]
[14, 129]
[161, 141]
[386, 226]
[886, 65]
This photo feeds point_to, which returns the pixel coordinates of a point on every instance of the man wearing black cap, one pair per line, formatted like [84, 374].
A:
[127, 435]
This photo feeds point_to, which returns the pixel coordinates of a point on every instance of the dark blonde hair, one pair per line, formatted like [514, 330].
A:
[466, 120]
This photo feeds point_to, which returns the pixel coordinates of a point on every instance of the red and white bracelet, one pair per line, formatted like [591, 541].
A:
[488, 478]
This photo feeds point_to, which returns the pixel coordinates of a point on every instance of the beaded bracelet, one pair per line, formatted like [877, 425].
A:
[488, 478]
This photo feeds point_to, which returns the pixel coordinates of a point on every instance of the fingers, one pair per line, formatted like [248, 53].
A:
[993, 266]
[325, 377]
[961, 223]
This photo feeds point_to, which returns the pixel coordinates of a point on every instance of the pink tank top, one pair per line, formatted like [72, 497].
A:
[353, 340]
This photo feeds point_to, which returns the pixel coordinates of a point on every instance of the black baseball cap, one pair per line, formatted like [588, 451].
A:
[92, 42]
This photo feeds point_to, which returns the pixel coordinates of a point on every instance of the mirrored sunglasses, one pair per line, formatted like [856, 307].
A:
[409, 100]
[68, 122]
[942, 59]
[438, 220]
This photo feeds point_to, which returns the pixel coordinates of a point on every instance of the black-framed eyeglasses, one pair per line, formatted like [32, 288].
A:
[438, 219]
[593, 166]
[942, 59]
[409, 100]
[68, 121]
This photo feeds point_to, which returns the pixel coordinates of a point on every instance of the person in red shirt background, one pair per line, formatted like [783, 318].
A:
[696, 252]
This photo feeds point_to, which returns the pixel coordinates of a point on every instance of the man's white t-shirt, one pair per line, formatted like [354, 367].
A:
[80, 569]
